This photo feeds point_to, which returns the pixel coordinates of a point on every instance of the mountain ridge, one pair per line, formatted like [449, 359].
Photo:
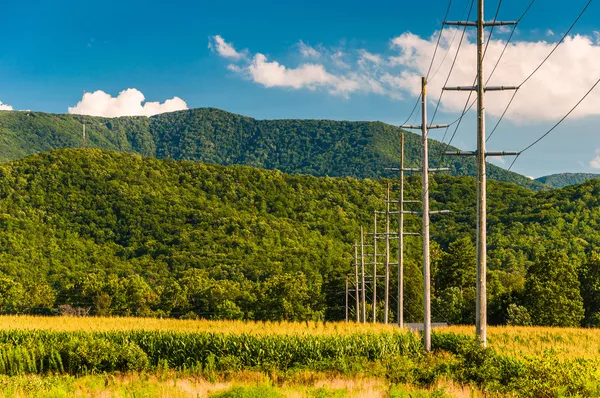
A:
[561, 180]
[300, 146]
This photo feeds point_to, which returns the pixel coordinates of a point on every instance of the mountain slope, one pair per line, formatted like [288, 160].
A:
[122, 234]
[316, 147]
[565, 179]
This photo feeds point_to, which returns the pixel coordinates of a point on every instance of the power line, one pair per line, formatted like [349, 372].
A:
[465, 109]
[437, 45]
[449, 46]
[462, 37]
[432, 59]
[538, 68]
[557, 124]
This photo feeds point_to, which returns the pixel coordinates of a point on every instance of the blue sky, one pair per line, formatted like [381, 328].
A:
[53, 50]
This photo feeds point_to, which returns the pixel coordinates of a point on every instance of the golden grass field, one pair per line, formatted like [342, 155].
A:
[514, 341]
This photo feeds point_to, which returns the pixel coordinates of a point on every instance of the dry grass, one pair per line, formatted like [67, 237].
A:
[525, 341]
[22, 322]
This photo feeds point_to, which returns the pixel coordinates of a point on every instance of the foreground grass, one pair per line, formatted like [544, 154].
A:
[532, 362]
[238, 385]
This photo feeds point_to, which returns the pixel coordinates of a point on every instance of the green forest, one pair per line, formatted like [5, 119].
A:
[108, 233]
[315, 147]
[565, 179]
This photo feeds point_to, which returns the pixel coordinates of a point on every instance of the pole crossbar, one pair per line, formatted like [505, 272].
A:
[485, 24]
[488, 153]
[476, 88]
[430, 127]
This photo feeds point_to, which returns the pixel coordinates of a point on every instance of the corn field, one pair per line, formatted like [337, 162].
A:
[82, 346]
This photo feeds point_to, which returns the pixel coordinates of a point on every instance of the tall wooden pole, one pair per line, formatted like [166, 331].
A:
[425, 188]
[356, 284]
[481, 306]
[347, 299]
[362, 267]
[401, 238]
[375, 267]
[387, 257]
[480, 153]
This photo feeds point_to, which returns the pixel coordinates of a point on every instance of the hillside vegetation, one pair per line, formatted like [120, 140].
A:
[565, 179]
[118, 234]
[315, 147]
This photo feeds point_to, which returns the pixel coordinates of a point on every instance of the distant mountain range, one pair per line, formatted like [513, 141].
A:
[565, 179]
[315, 147]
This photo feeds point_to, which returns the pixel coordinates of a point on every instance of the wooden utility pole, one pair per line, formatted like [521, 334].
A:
[425, 214]
[387, 257]
[362, 267]
[401, 238]
[426, 264]
[375, 267]
[356, 284]
[481, 299]
[346, 299]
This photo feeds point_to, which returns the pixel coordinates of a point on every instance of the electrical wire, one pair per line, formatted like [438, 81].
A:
[465, 109]
[453, 62]
[538, 68]
[432, 59]
[557, 124]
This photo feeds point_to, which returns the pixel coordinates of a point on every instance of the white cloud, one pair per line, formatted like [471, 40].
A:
[5, 107]
[396, 73]
[595, 163]
[366, 57]
[129, 102]
[224, 49]
[308, 51]
[549, 32]
[310, 76]
[550, 93]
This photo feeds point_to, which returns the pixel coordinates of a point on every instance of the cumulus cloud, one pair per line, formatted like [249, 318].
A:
[5, 107]
[595, 163]
[129, 102]
[552, 91]
[310, 76]
[396, 72]
[224, 49]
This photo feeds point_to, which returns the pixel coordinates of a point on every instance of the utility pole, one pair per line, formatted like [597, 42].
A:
[362, 267]
[401, 234]
[426, 264]
[425, 213]
[387, 256]
[357, 289]
[346, 298]
[481, 299]
[401, 238]
[375, 267]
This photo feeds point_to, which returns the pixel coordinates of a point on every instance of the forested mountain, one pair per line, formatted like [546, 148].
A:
[121, 234]
[565, 179]
[315, 147]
